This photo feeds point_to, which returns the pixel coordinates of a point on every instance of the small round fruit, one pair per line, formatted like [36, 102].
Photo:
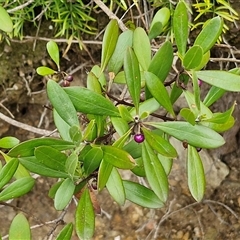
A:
[139, 138]
[66, 83]
[69, 78]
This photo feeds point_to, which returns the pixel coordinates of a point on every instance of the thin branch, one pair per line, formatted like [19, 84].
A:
[20, 6]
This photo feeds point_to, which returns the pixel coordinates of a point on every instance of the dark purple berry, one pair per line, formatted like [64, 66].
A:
[139, 138]
[69, 78]
[66, 83]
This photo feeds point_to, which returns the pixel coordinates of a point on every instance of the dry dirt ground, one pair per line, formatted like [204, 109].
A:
[217, 217]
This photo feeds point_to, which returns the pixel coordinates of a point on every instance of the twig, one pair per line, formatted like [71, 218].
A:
[225, 60]
[20, 6]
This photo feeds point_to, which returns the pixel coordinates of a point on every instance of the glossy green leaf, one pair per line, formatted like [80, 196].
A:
[6, 24]
[166, 163]
[196, 177]
[8, 171]
[51, 157]
[36, 166]
[139, 170]
[54, 188]
[160, 64]
[109, 42]
[118, 157]
[120, 125]
[96, 70]
[62, 103]
[134, 149]
[142, 47]
[66, 232]
[193, 57]
[188, 115]
[155, 30]
[89, 102]
[141, 195]
[222, 79]
[44, 71]
[209, 34]
[205, 60]
[53, 51]
[196, 90]
[120, 78]
[120, 142]
[75, 134]
[158, 91]
[159, 144]
[116, 61]
[133, 76]
[90, 132]
[26, 149]
[17, 188]
[115, 187]
[64, 194]
[93, 84]
[71, 163]
[104, 172]
[197, 135]
[213, 95]
[92, 160]
[19, 228]
[125, 114]
[155, 173]
[8, 142]
[180, 27]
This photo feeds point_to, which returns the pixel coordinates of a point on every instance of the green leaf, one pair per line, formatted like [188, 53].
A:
[193, 57]
[139, 168]
[142, 47]
[166, 163]
[8, 142]
[205, 59]
[51, 157]
[19, 228]
[196, 177]
[75, 134]
[125, 114]
[96, 70]
[93, 84]
[180, 27]
[89, 102]
[17, 188]
[85, 219]
[104, 172]
[120, 77]
[117, 157]
[115, 187]
[155, 173]
[54, 188]
[62, 103]
[222, 79]
[53, 51]
[44, 71]
[64, 194]
[141, 195]
[36, 166]
[71, 163]
[92, 160]
[133, 76]
[66, 232]
[8, 171]
[120, 125]
[155, 30]
[6, 24]
[158, 91]
[116, 61]
[197, 135]
[209, 34]
[188, 115]
[213, 95]
[159, 144]
[196, 90]
[134, 149]
[160, 64]
[109, 42]
[120, 142]
[26, 149]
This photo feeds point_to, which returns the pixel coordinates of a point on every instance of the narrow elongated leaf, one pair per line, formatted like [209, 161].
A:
[222, 79]
[89, 102]
[8, 171]
[109, 42]
[75, 134]
[115, 187]
[93, 84]
[196, 177]
[66, 232]
[120, 125]
[26, 149]
[17, 188]
[125, 114]
[159, 144]
[134, 149]
[213, 95]
[209, 34]
[6, 24]
[53, 51]
[116, 61]
[160, 64]
[188, 115]
[51, 157]
[133, 76]
[71, 163]
[196, 90]
[8, 142]
[44, 71]
[64, 194]
[193, 57]
[142, 47]
[104, 172]
[166, 163]
[141, 195]
[198, 136]
[62, 103]
[19, 228]
[117, 157]
[155, 173]
[85, 219]
[120, 142]
[158, 91]
[180, 27]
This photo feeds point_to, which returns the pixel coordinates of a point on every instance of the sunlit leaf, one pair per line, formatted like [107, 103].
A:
[196, 90]
[53, 51]
[66, 232]
[6, 24]
[93, 84]
[104, 172]
[8, 142]
[120, 125]
[188, 115]
[44, 71]
[166, 163]
[213, 95]
[75, 134]
[193, 57]
[71, 163]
